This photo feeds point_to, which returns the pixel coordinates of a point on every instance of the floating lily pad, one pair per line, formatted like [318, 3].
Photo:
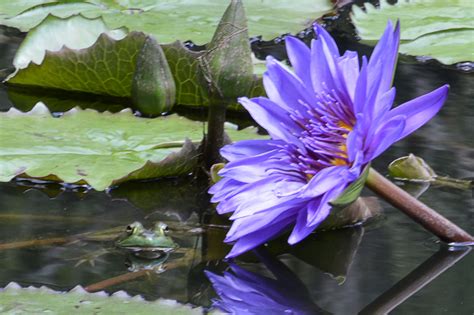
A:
[17, 300]
[98, 64]
[184, 65]
[100, 149]
[433, 28]
[104, 62]
[171, 20]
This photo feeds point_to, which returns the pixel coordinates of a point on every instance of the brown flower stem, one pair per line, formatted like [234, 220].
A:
[215, 134]
[446, 230]
[101, 285]
[415, 281]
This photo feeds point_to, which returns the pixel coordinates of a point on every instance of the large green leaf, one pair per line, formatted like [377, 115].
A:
[106, 66]
[170, 20]
[449, 47]
[12, 8]
[54, 34]
[185, 67]
[31, 300]
[105, 62]
[101, 149]
[434, 28]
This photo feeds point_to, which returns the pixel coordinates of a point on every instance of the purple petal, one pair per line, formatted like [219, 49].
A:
[384, 103]
[329, 57]
[302, 229]
[256, 197]
[271, 117]
[360, 95]
[265, 200]
[355, 139]
[257, 238]
[224, 189]
[288, 91]
[385, 54]
[247, 225]
[317, 215]
[419, 110]
[349, 65]
[321, 76]
[316, 211]
[246, 148]
[323, 181]
[250, 169]
[385, 136]
[330, 46]
[300, 56]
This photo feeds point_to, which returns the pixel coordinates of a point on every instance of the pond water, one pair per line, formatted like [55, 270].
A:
[340, 272]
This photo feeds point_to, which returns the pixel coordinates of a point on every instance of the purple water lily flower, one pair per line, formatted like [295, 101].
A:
[327, 120]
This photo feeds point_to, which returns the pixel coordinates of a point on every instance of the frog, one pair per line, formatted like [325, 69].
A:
[135, 240]
[146, 243]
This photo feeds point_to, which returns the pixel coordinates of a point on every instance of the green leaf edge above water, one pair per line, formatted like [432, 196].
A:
[90, 69]
[30, 300]
[170, 21]
[430, 28]
[100, 149]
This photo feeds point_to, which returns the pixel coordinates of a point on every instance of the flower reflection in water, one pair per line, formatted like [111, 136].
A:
[243, 292]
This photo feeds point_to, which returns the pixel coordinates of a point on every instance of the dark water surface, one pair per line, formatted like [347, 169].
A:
[340, 272]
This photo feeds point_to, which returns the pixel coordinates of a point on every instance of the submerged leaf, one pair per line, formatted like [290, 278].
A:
[171, 20]
[434, 28]
[100, 149]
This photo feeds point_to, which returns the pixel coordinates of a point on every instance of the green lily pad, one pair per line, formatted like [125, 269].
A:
[104, 62]
[98, 63]
[100, 149]
[12, 8]
[17, 300]
[185, 67]
[433, 28]
[170, 20]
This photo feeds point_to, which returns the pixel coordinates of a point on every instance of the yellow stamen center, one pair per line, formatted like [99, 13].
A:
[342, 147]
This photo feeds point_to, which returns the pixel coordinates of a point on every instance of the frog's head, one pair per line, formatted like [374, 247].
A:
[137, 238]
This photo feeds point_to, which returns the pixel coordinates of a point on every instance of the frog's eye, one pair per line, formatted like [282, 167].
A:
[161, 227]
[129, 229]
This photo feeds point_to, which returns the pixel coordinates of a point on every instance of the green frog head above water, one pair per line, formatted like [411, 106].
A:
[137, 238]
